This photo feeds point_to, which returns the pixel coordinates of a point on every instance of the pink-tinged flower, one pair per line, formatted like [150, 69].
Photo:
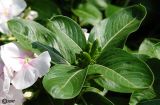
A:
[4, 76]
[24, 66]
[8, 10]
[12, 97]
[8, 94]
[1, 67]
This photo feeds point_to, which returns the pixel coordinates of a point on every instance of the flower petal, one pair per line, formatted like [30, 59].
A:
[13, 56]
[4, 28]
[1, 86]
[14, 96]
[18, 6]
[1, 68]
[7, 79]
[14, 7]
[25, 77]
[41, 63]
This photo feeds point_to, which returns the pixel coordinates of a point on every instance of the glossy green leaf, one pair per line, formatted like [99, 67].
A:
[157, 50]
[56, 57]
[64, 81]
[35, 32]
[111, 9]
[140, 95]
[149, 47]
[31, 31]
[141, 56]
[66, 45]
[37, 47]
[125, 70]
[88, 14]
[111, 80]
[113, 31]
[69, 28]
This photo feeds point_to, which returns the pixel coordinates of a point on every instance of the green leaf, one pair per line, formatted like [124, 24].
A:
[92, 98]
[64, 81]
[113, 31]
[88, 14]
[111, 80]
[31, 31]
[151, 102]
[157, 50]
[35, 32]
[150, 47]
[56, 57]
[125, 70]
[69, 28]
[141, 56]
[111, 9]
[141, 95]
[91, 89]
[66, 45]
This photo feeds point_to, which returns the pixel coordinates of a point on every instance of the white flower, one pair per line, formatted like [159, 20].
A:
[12, 97]
[8, 94]
[23, 66]
[8, 10]
[4, 76]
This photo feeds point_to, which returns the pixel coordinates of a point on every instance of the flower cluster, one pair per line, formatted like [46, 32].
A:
[20, 69]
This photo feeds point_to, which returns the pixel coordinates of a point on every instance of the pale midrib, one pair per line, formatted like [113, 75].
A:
[135, 86]
[69, 80]
[69, 38]
[119, 76]
[118, 32]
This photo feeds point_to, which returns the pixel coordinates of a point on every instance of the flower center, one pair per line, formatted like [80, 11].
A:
[27, 59]
[6, 13]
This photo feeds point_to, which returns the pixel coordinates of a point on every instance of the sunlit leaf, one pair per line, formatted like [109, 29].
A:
[150, 47]
[122, 72]
[34, 32]
[69, 28]
[141, 95]
[113, 31]
[64, 81]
